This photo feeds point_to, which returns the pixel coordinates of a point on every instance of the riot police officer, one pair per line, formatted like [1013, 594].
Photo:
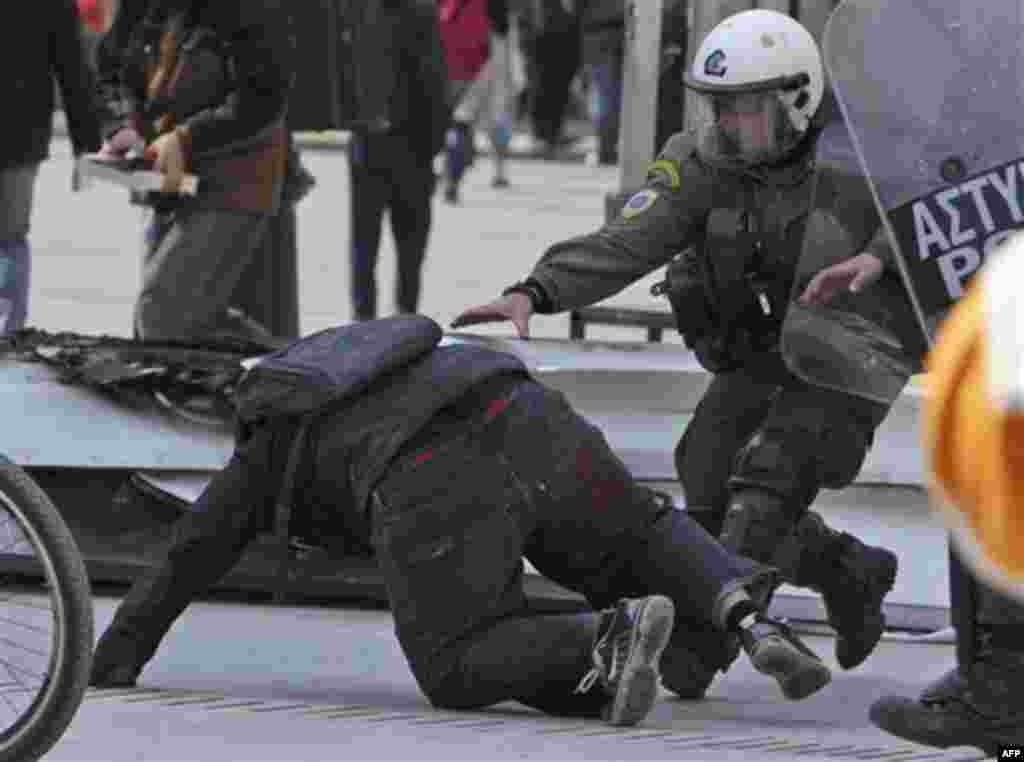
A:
[733, 194]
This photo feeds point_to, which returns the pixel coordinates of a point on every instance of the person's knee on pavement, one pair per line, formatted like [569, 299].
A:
[450, 691]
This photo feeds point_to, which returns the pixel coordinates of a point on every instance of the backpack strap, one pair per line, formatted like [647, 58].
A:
[283, 510]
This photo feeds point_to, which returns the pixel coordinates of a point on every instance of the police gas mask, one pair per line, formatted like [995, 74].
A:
[758, 81]
[743, 129]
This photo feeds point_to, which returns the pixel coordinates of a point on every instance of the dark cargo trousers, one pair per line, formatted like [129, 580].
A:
[456, 514]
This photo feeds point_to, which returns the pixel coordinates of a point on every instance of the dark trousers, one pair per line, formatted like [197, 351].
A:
[454, 517]
[975, 606]
[387, 174]
[268, 289]
[760, 427]
[553, 58]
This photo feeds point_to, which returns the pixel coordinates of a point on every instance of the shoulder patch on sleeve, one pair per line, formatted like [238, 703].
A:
[665, 169]
[639, 203]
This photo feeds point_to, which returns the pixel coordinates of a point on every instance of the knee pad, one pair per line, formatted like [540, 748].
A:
[848, 445]
[800, 460]
[782, 462]
[757, 523]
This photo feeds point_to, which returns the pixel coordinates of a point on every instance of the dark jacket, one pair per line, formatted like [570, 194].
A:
[404, 78]
[349, 449]
[375, 66]
[354, 446]
[498, 15]
[227, 83]
[39, 42]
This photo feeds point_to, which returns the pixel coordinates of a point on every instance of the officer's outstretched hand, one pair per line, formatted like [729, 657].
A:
[514, 306]
[853, 274]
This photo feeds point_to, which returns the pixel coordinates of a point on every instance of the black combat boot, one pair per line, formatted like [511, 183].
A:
[627, 649]
[980, 705]
[853, 579]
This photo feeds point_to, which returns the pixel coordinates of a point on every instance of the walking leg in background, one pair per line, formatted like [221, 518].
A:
[501, 106]
[411, 216]
[459, 155]
[605, 105]
[367, 200]
[17, 186]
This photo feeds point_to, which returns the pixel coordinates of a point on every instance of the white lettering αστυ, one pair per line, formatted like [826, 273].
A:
[929, 233]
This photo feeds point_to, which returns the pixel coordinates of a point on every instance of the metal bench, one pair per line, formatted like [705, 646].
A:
[653, 320]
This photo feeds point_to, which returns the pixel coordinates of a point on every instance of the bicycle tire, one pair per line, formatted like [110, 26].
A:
[59, 697]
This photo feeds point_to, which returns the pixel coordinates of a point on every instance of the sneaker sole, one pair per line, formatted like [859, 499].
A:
[798, 674]
[638, 686]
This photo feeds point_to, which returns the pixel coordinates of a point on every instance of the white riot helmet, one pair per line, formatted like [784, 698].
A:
[759, 80]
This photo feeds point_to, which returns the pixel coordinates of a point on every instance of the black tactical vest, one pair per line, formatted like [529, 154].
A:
[730, 291]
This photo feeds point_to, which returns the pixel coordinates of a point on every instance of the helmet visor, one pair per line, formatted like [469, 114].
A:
[743, 128]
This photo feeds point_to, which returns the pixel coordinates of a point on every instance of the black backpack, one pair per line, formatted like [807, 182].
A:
[319, 372]
[330, 366]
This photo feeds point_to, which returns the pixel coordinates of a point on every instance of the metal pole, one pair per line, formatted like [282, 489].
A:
[813, 14]
[639, 91]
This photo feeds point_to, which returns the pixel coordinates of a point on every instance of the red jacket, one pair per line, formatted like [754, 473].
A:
[465, 32]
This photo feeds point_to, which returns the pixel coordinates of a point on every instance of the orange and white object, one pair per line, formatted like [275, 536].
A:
[974, 419]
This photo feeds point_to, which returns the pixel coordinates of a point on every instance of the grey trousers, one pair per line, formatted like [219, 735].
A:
[192, 263]
[17, 188]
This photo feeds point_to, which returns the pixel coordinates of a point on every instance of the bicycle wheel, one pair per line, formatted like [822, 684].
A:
[46, 620]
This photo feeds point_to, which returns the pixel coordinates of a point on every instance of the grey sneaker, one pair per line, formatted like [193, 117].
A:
[627, 649]
[776, 651]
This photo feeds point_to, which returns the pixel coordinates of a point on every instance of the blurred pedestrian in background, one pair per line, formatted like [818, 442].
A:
[398, 129]
[602, 26]
[204, 87]
[550, 41]
[43, 44]
[476, 41]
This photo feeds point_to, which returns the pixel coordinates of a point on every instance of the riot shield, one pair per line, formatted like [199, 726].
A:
[931, 94]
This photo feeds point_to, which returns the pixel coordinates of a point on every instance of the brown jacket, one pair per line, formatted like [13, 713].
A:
[222, 71]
